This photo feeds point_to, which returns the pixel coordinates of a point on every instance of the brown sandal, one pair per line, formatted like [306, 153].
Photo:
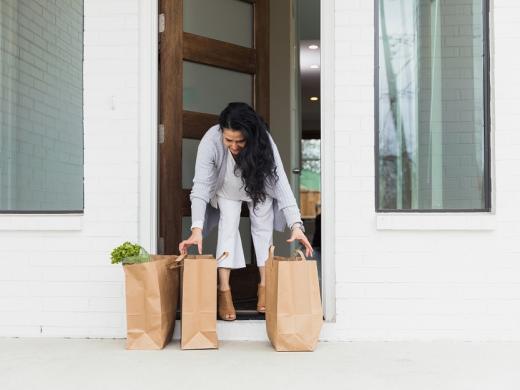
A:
[260, 306]
[226, 310]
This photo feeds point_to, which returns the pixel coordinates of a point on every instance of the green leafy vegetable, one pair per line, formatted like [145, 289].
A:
[128, 253]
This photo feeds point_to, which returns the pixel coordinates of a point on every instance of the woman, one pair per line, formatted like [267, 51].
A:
[237, 161]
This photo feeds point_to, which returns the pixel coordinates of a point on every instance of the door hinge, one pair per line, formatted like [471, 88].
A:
[161, 23]
[161, 134]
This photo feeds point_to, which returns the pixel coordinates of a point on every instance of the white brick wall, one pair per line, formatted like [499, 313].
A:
[425, 284]
[391, 284]
[59, 283]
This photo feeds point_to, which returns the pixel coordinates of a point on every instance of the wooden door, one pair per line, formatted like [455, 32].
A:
[200, 45]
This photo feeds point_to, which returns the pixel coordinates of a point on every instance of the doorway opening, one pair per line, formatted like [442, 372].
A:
[266, 54]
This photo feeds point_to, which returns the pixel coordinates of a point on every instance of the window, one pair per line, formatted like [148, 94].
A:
[310, 178]
[432, 110]
[41, 106]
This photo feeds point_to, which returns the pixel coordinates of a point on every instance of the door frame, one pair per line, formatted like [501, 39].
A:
[148, 151]
[148, 66]
[327, 156]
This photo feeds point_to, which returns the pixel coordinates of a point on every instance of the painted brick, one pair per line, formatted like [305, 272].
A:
[391, 285]
[446, 284]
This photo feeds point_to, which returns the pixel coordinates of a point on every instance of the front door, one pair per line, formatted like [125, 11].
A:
[211, 52]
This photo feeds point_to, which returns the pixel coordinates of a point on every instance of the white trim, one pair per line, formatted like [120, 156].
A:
[41, 222]
[327, 159]
[249, 330]
[148, 123]
[436, 221]
[255, 330]
[492, 154]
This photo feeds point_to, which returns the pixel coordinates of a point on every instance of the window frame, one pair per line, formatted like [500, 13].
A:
[487, 119]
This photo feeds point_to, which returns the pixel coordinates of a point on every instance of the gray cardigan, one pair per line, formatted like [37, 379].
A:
[210, 170]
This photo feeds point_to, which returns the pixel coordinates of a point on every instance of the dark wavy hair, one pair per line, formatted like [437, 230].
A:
[256, 160]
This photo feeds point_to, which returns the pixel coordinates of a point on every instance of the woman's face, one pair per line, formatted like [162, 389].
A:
[234, 140]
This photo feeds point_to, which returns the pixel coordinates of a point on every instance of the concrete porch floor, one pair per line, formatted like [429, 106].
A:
[75, 364]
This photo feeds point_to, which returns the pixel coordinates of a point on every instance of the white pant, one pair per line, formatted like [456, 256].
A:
[262, 219]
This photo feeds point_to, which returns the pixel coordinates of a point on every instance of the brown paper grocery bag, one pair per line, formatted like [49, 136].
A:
[199, 303]
[152, 292]
[294, 315]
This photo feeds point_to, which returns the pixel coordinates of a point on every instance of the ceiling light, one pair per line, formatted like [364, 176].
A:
[314, 66]
[313, 98]
[313, 47]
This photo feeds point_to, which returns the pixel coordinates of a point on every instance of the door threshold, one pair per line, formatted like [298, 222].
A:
[249, 315]
[241, 315]
[244, 329]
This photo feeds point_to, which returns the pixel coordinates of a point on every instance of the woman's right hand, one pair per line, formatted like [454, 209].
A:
[194, 239]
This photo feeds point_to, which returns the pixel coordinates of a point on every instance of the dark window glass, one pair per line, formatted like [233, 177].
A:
[41, 106]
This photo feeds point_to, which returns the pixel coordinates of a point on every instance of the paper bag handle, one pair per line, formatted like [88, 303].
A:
[222, 256]
[300, 254]
[178, 261]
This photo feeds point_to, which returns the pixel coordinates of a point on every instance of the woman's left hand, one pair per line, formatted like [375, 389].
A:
[297, 234]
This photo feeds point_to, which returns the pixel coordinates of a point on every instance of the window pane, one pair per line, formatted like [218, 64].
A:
[431, 105]
[311, 165]
[310, 179]
[234, 20]
[41, 106]
[189, 155]
[209, 89]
